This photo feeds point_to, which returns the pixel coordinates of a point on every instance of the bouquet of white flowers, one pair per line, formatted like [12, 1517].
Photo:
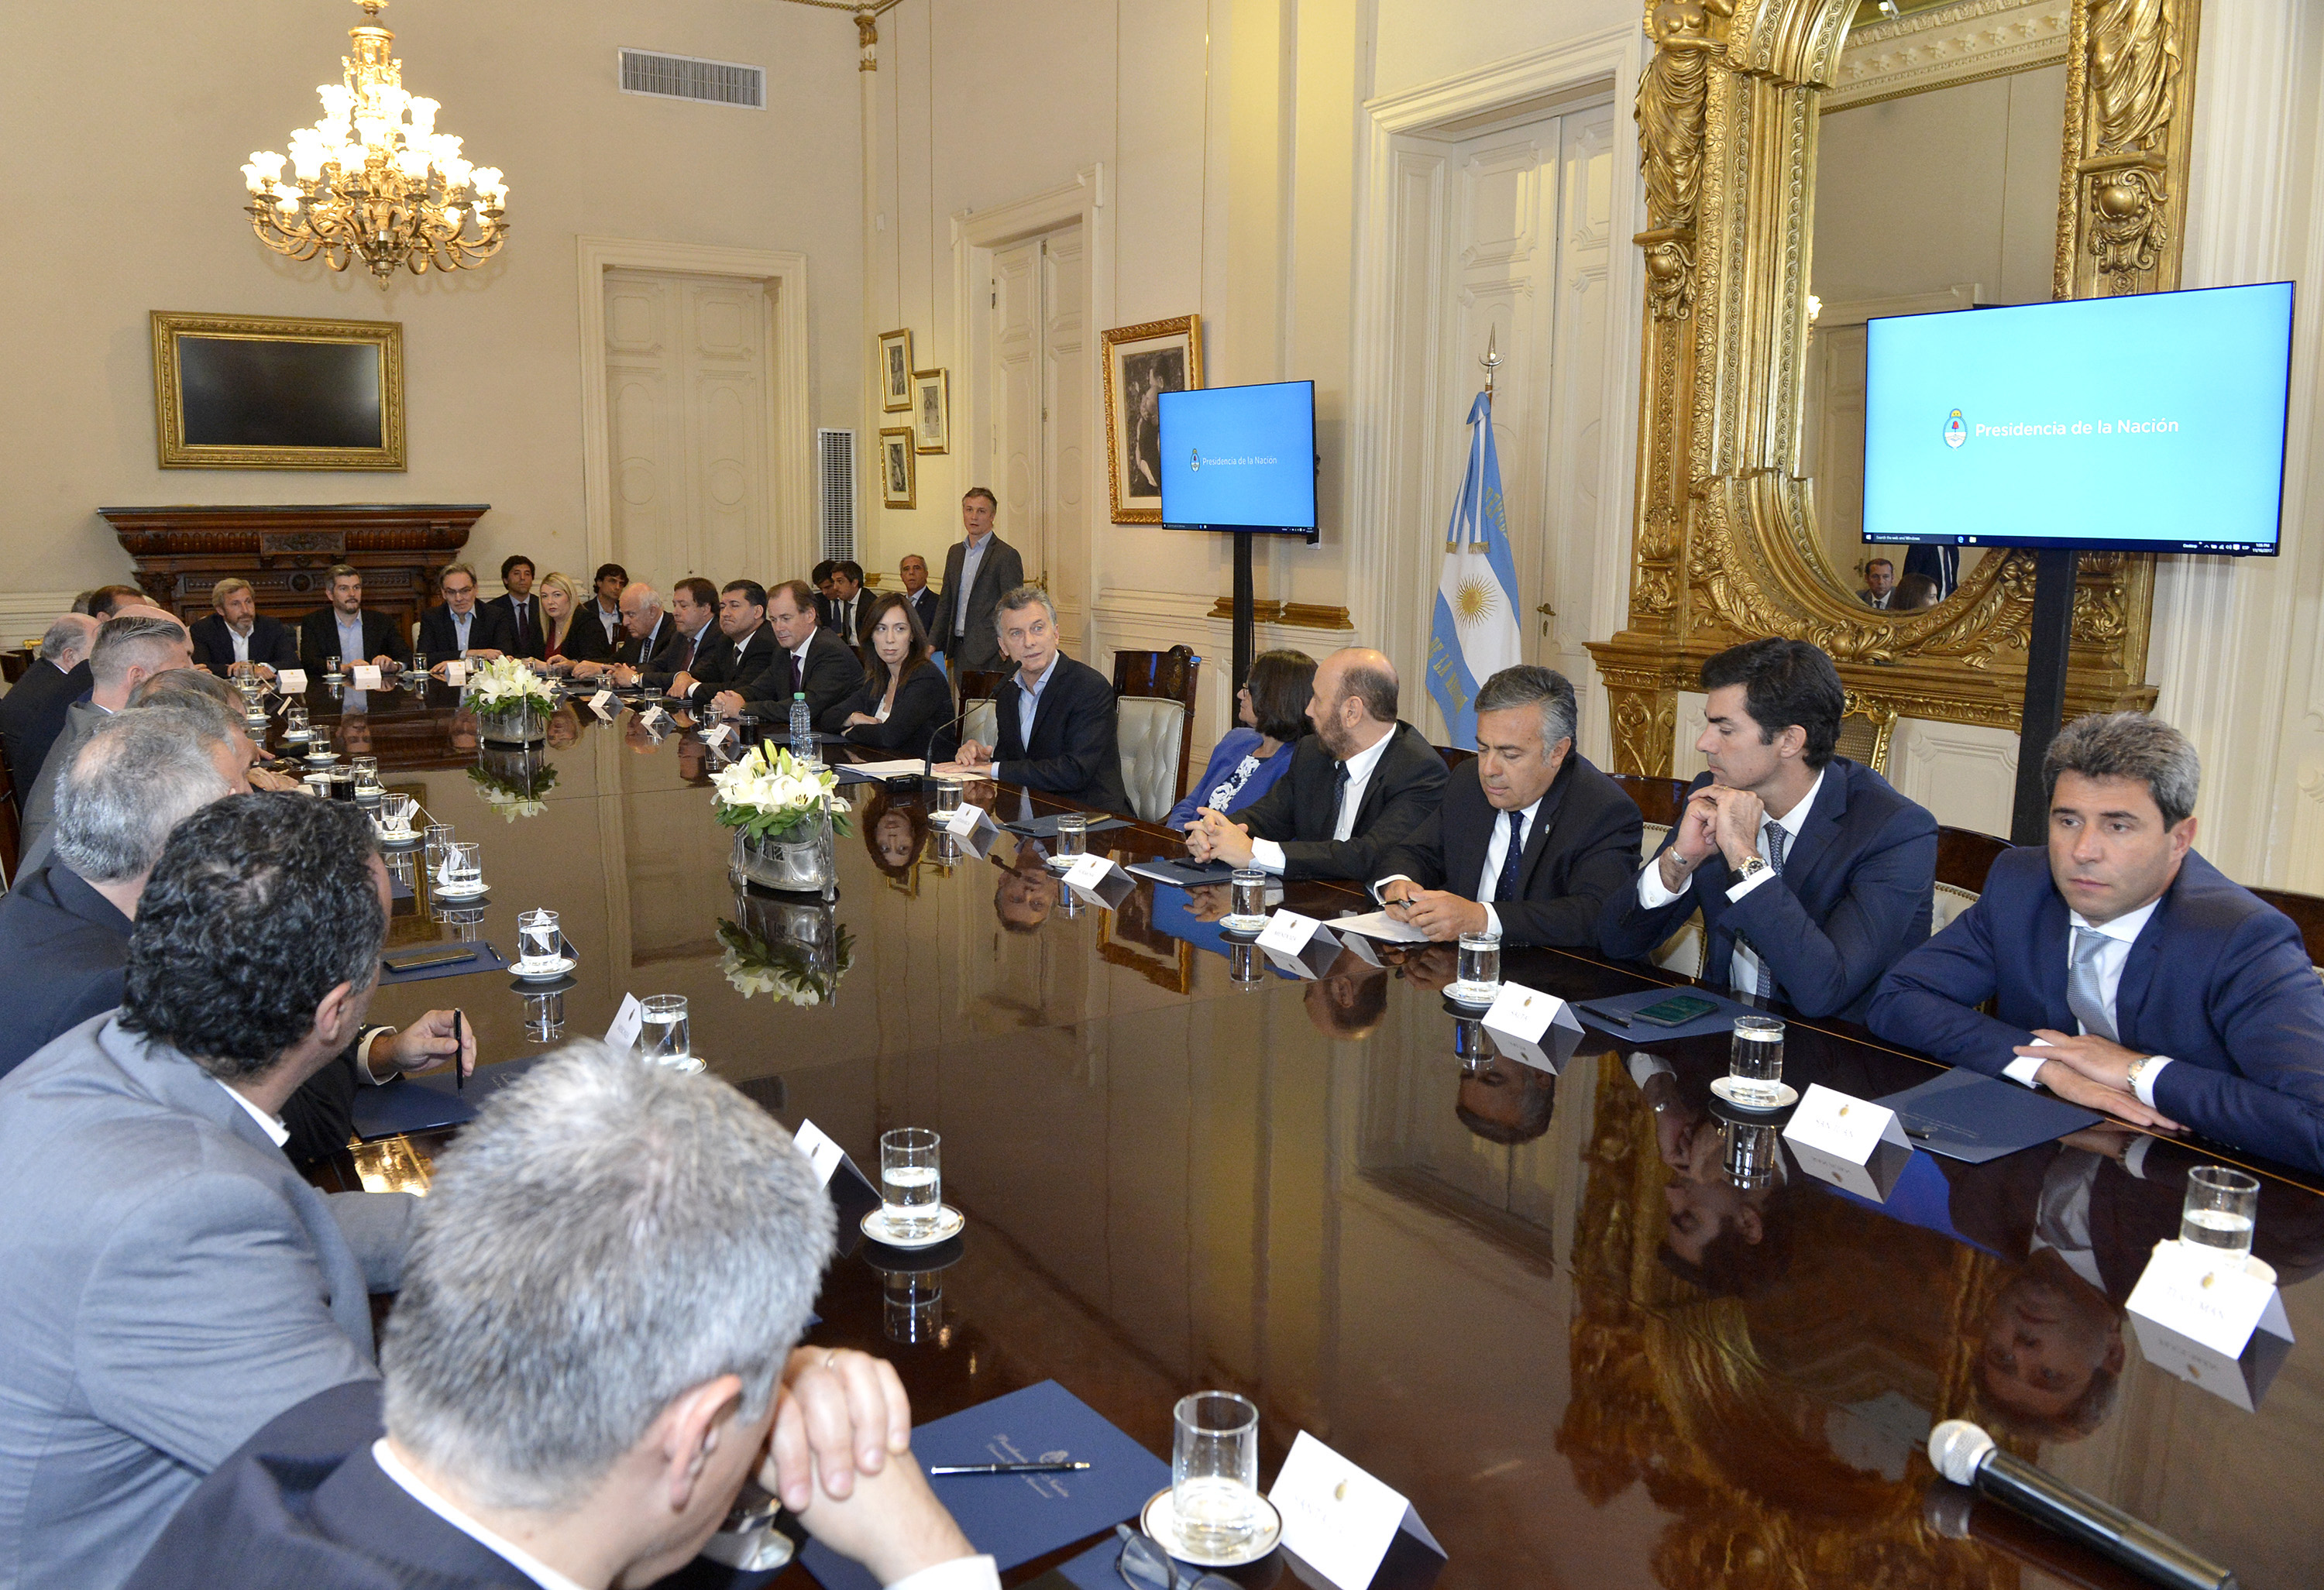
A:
[770, 795]
[504, 684]
[791, 971]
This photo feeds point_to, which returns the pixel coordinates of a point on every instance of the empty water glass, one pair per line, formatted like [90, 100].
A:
[1248, 901]
[911, 1180]
[539, 942]
[1215, 1472]
[2222, 1207]
[664, 1035]
[1477, 971]
[1755, 1066]
[463, 872]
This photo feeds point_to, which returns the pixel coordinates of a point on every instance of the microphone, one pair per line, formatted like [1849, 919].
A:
[928, 759]
[1964, 1453]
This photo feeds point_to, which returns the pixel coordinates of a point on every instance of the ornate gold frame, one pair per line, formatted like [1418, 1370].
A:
[169, 406]
[1112, 343]
[1724, 543]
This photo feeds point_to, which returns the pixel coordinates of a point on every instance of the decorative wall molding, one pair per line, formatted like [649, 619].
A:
[1963, 42]
[786, 541]
[26, 615]
[1295, 615]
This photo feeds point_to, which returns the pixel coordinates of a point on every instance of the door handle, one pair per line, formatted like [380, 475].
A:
[1546, 610]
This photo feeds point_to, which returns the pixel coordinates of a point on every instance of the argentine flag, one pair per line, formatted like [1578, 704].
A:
[1475, 635]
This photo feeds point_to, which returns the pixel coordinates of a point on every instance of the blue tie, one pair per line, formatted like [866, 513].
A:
[1776, 839]
[1512, 859]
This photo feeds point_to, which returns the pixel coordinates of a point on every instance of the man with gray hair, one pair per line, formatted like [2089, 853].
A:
[237, 639]
[170, 1281]
[567, 1405]
[647, 639]
[32, 712]
[1055, 729]
[1531, 841]
[2127, 973]
[129, 650]
[460, 629]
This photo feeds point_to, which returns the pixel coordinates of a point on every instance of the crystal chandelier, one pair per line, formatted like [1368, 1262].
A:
[372, 185]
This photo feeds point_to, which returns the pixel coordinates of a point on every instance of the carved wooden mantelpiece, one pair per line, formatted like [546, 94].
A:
[283, 551]
[1724, 546]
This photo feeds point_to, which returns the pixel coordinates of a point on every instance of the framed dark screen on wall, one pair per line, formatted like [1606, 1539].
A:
[245, 392]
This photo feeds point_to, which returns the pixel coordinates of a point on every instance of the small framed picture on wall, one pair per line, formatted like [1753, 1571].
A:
[896, 372]
[931, 411]
[898, 482]
[1141, 364]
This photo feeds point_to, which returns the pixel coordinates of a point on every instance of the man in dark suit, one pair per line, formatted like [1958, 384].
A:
[32, 712]
[130, 649]
[342, 629]
[1053, 717]
[462, 627]
[520, 613]
[693, 636]
[1531, 840]
[1879, 584]
[557, 1448]
[1813, 875]
[847, 612]
[746, 654]
[595, 635]
[237, 639]
[978, 569]
[2128, 975]
[809, 659]
[646, 632]
[913, 570]
[1357, 787]
[1940, 566]
[160, 1305]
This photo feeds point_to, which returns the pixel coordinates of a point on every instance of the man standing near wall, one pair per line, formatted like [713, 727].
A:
[980, 567]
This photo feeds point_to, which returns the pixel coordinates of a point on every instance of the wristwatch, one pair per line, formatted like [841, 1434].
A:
[2137, 1069]
[1752, 866]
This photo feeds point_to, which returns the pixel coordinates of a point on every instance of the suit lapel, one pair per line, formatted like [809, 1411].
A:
[1817, 833]
[2138, 970]
[1545, 823]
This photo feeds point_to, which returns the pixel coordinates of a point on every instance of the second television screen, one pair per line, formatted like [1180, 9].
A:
[1240, 458]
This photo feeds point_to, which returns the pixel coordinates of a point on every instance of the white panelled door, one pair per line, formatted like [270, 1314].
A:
[1038, 349]
[687, 400]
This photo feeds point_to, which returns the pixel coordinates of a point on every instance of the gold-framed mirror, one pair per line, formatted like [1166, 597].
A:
[1741, 411]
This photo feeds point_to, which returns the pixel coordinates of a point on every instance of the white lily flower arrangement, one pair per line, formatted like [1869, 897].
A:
[770, 795]
[787, 971]
[504, 684]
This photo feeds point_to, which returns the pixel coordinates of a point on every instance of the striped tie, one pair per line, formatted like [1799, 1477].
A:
[1776, 839]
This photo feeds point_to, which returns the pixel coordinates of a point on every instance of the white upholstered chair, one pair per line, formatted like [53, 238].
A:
[1150, 733]
[982, 724]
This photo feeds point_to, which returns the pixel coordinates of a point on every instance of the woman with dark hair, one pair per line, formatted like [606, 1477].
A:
[903, 699]
[894, 833]
[1272, 710]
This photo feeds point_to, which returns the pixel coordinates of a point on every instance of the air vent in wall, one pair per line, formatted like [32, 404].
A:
[836, 458]
[682, 76]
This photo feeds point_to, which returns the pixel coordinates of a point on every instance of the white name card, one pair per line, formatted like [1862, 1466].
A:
[455, 672]
[2197, 1312]
[1337, 1518]
[623, 1035]
[1300, 945]
[962, 820]
[602, 704]
[718, 735]
[1855, 1146]
[364, 677]
[292, 681]
[821, 1152]
[1521, 1017]
[654, 714]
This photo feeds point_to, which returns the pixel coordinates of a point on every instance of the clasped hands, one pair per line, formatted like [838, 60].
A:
[1717, 818]
[1209, 837]
[2095, 1073]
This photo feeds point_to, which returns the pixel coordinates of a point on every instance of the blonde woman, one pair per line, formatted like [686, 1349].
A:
[560, 599]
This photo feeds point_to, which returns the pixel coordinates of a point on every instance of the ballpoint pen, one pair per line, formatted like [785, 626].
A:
[459, 1075]
[1007, 1468]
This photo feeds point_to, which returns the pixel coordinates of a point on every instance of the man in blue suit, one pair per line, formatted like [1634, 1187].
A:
[2128, 974]
[1813, 874]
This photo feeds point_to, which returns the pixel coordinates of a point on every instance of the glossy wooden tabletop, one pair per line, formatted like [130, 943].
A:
[1541, 1307]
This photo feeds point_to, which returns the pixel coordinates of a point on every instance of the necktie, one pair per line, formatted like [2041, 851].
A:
[2085, 994]
[1776, 840]
[1512, 859]
[1339, 794]
[523, 620]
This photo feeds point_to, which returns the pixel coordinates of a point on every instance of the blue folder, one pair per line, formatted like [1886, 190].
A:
[1967, 1115]
[1019, 1517]
[431, 1103]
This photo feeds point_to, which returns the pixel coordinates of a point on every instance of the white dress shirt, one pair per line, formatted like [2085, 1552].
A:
[460, 624]
[611, 620]
[2112, 957]
[241, 638]
[351, 641]
[1028, 703]
[271, 1124]
[1742, 965]
[1266, 853]
[1497, 851]
[965, 1573]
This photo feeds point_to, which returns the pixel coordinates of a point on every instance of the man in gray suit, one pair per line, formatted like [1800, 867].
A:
[977, 570]
[170, 1283]
[129, 650]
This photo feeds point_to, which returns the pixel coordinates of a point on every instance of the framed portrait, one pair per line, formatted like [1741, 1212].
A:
[239, 391]
[1141, 364]
[932, 411]
[896, 372]
[899, 477]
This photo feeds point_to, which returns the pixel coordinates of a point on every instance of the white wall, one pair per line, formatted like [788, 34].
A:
[122, 130]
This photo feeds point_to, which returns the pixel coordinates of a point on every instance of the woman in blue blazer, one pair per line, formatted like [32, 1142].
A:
[903, 699]
[1272, 709]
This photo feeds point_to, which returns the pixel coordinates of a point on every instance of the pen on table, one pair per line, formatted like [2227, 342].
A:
[459, 1075]
[1007, 1468]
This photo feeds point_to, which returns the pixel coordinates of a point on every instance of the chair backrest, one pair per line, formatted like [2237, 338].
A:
[1660, 800]
[1650, 839]
[1964, 856]
[1168, 676]
[975, 684]
[982, 723]
[1865, 729]
[1453, 757]
[2307, 912]
[1681, 952]
[1150, 734]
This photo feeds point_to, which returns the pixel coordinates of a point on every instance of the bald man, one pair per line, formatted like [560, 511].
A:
[1357, 785]
[647, 638]
[33, 713]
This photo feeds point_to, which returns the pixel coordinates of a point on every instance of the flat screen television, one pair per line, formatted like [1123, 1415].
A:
[1240, 458]
[2147, 423]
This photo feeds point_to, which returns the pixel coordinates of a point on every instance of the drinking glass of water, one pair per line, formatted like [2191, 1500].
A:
[539, 943]
[1215, 1472]
[663, 1036]
[911, 1180]
[366, 771]
[1248, 900]
[1477, 973]
[437, 836]
[1755, 1066]
[420, 665]
[318, 742]
[463, 872]
[330, 668]
[395, 814]
[2221, 1209]
[947, 795]
[1072, 840]
[1244, 969]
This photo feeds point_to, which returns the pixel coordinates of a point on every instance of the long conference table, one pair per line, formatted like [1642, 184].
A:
[1585, 1353]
